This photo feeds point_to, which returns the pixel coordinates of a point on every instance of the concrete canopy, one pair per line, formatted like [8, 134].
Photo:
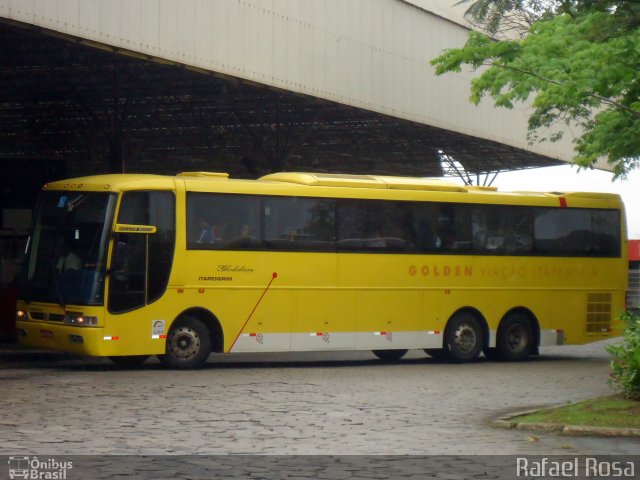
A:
[83, 81]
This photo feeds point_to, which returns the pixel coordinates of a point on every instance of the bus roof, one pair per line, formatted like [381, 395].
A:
[364, 181]
[115, 182]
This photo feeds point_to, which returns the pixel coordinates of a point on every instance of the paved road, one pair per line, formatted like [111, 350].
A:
[329, 403]
[292, 404]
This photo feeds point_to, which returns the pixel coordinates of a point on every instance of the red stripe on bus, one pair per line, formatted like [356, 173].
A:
[274, 275]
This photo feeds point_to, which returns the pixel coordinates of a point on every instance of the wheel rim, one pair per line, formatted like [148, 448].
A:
[517, 338]
[185, 342]
[466, 338]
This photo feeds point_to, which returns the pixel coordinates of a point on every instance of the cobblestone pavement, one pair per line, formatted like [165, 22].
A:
[283, 404]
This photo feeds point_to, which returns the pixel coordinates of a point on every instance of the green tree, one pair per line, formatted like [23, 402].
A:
[507, 17]
[625, 358]
[577, 61]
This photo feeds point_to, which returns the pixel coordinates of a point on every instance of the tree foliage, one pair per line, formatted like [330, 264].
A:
[578, 63]
[507, 17]
[625, 358]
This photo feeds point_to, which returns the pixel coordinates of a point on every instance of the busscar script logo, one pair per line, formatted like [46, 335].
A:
[234, 269]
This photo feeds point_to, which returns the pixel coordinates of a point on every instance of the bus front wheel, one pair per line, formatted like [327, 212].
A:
[463, 338]
[515, 338]
[390, 355]
[188, 344]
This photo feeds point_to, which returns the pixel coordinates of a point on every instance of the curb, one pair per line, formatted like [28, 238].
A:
[509, 422]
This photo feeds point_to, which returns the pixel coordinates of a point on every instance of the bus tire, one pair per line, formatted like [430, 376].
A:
[188, 344]
[390, 355]
[129, 361]
[463, 338]
[515, 337]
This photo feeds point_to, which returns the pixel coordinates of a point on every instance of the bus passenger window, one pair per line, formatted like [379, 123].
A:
[501, 230]
[520, 235]
[453, 228]
[557, 231]
[297, 223]
[420, 223]
[371, 225]
[218, 221]
[577, 232]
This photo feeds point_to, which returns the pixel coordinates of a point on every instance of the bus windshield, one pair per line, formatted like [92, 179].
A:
[67, 254]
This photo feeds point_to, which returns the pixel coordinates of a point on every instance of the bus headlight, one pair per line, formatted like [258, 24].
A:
[22, 315]
[80, 320]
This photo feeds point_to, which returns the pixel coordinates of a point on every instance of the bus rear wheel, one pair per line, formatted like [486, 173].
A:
[188, 344]
[515, 338]
[463, 338]
[390, 355]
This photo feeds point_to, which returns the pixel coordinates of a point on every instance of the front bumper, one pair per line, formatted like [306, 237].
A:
[62, 338]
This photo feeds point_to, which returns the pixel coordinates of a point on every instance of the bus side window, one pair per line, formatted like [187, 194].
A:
[577, 232]
[520, 236]
[375, 226]
[421, 227]
[554, 231]
[217, 221]
[299, 223]
[606, 233]
[454, 228]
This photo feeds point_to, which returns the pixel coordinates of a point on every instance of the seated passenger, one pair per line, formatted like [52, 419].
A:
[208, 233]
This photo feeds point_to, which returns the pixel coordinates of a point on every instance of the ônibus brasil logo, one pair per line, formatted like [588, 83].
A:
[33, 468]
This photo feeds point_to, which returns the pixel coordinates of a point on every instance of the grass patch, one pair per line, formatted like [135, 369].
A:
[616, 412]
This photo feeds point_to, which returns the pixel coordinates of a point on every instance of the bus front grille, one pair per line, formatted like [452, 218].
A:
[47, 317]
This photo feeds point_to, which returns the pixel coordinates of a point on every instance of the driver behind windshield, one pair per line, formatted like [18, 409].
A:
[67, 259]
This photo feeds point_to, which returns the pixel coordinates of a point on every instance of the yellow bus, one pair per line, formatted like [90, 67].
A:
[128, 266]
